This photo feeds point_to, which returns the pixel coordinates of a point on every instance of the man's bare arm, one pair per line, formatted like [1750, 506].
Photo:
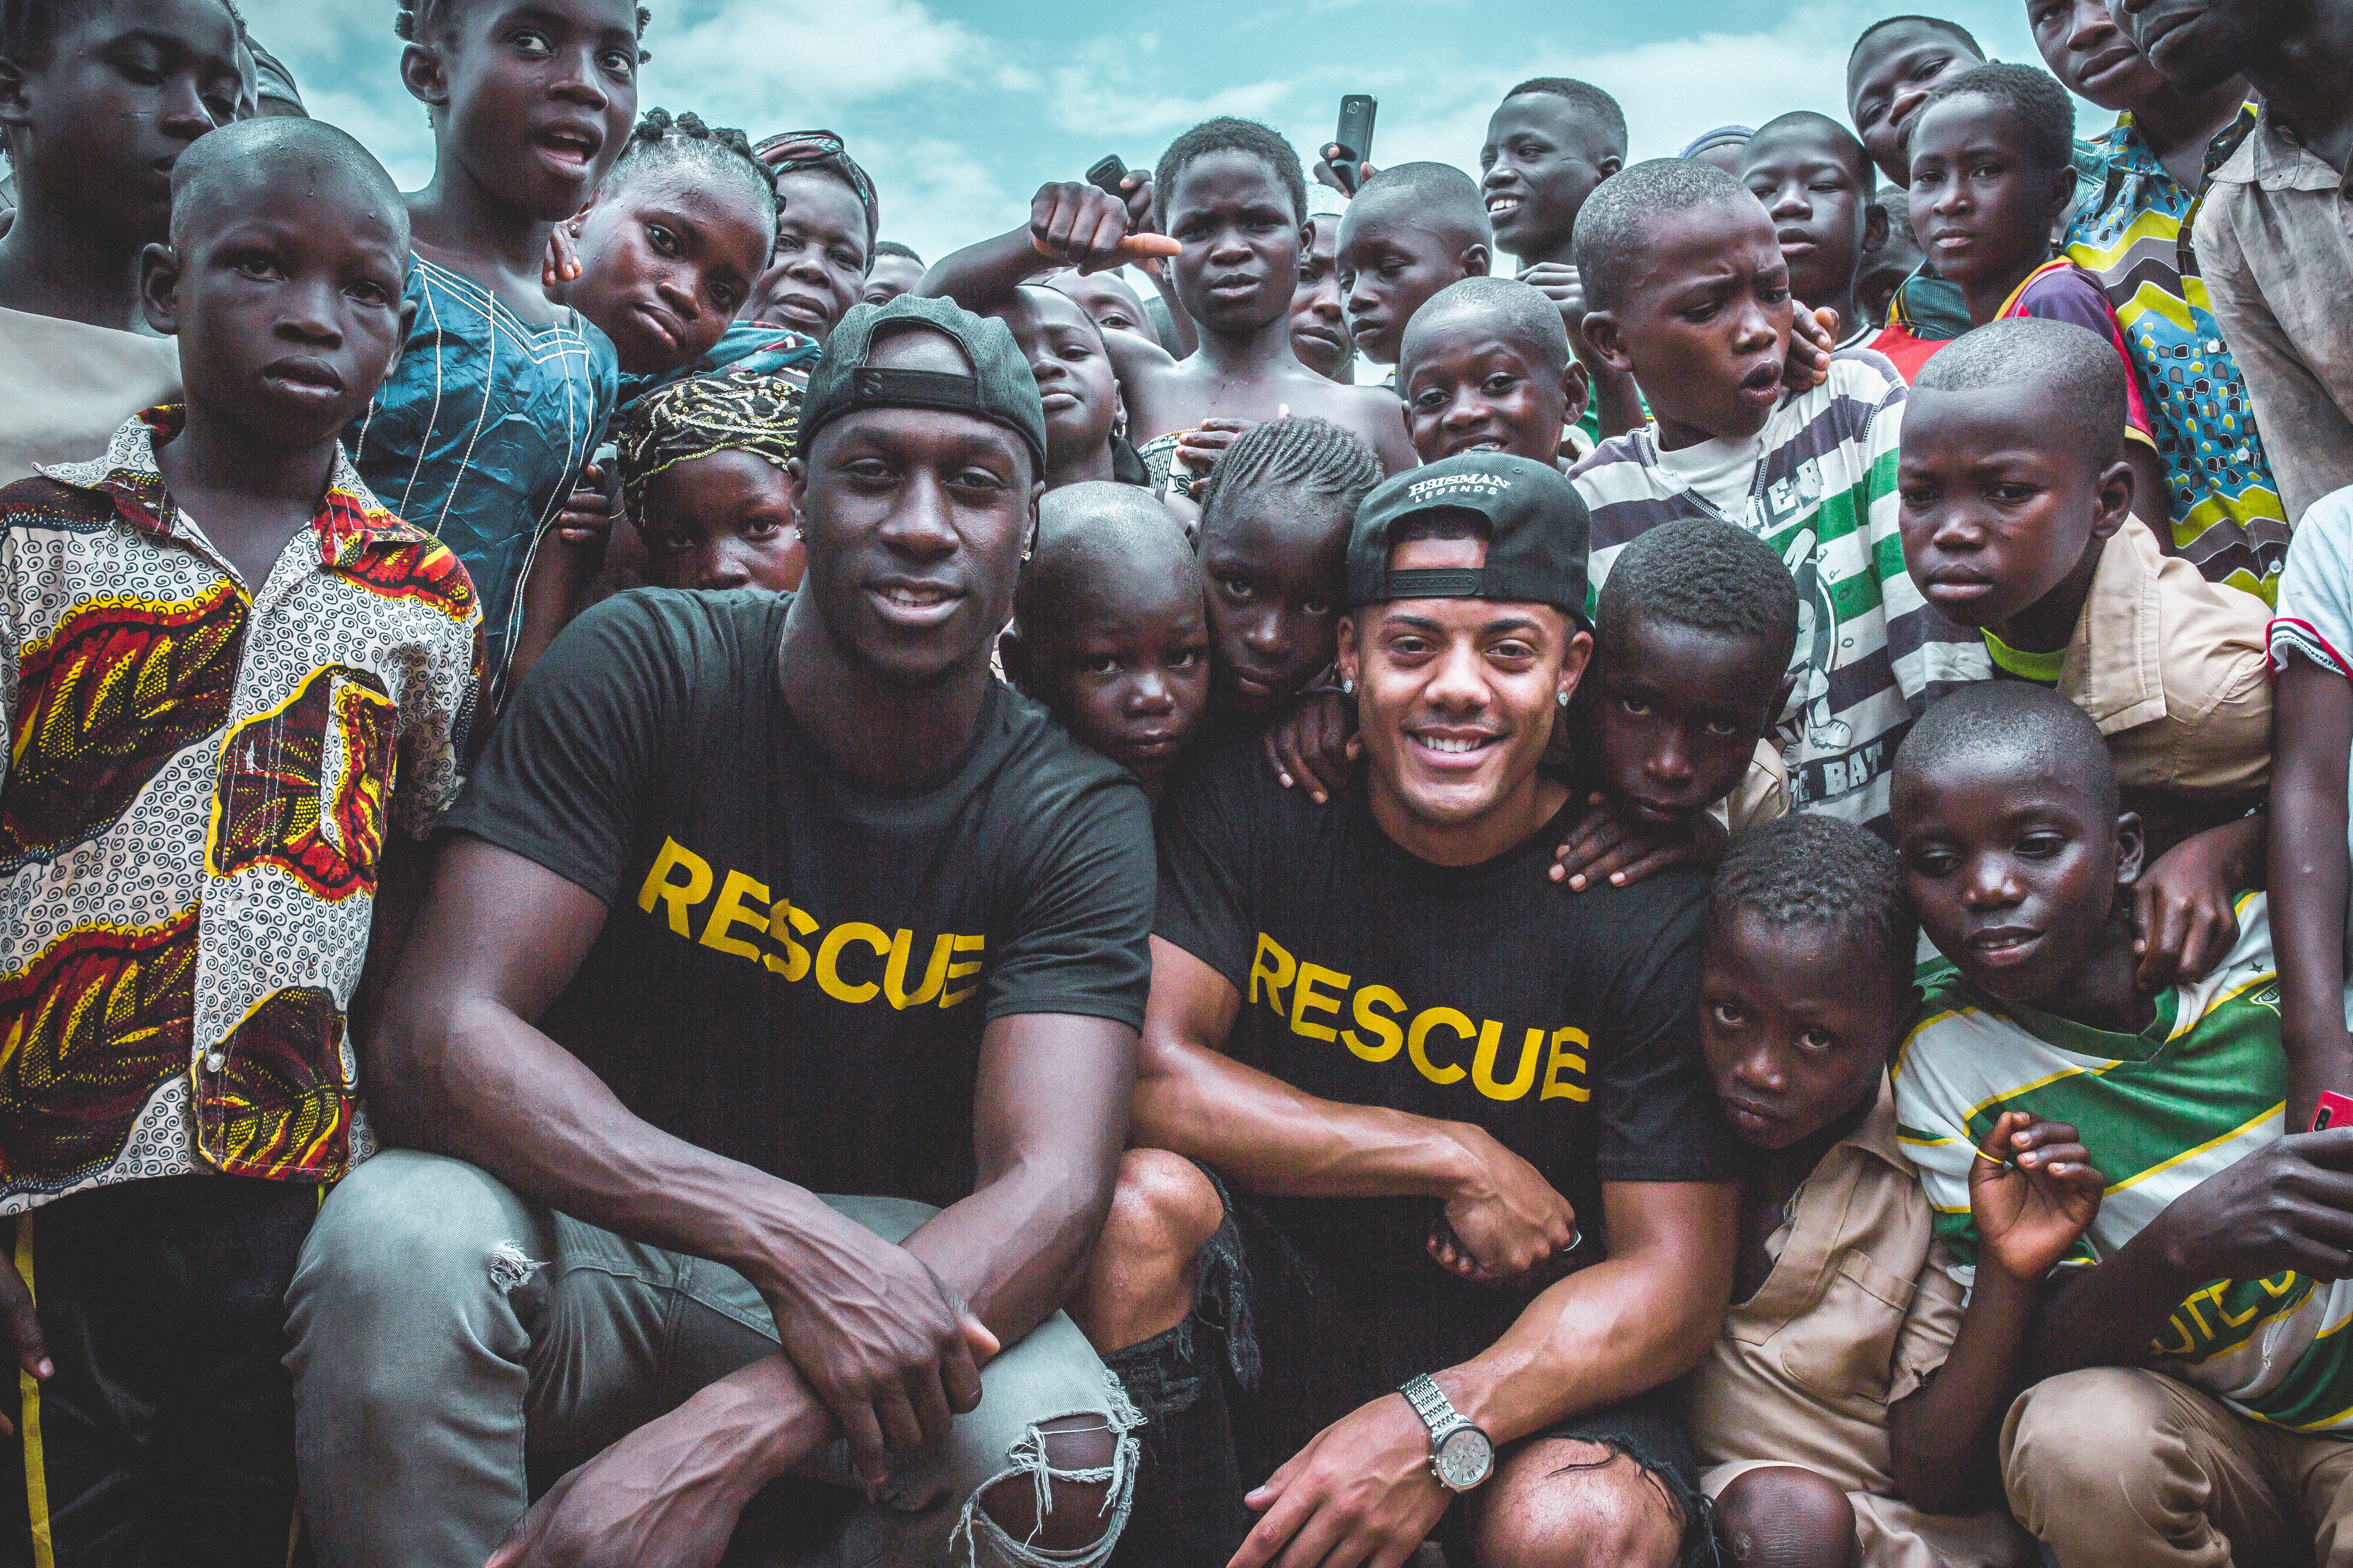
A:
[1641, 1317]
[458, 1068]
[1050, 1119]
[1267, 1137]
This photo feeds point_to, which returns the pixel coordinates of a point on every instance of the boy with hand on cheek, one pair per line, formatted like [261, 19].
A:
[1991, 175]
[305, 667]
[97, 99]
[2191, 1396]
[1486, 366]
[704, 486]
[1806, 994]
[1549, 143]
[2017, 516]
[1816, 181]
[1690, 295]
[1411, 231]
[1111, 635]
[670, 247]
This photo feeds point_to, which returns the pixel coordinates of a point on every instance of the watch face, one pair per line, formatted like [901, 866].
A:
[1464, 1458]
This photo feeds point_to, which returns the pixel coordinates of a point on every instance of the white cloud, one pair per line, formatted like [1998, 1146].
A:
[766, 61]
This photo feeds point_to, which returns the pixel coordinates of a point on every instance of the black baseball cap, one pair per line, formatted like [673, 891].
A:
[1537, 534]
[1000, 387]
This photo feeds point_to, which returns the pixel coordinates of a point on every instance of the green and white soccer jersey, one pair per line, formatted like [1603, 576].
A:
[2202, 1087]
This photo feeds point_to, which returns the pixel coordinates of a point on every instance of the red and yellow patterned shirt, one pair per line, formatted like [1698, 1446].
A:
[199, 784]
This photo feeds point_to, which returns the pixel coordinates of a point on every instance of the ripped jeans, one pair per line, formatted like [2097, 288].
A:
[457, 1350]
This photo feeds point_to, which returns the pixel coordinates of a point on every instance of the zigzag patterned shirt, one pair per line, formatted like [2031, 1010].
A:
[2134, 237]
[1872, 653]
[193, 810]
[2201, 1088]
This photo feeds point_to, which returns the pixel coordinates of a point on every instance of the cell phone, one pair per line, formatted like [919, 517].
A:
[1107, 176]
[2334, 1111]
[1355, 137]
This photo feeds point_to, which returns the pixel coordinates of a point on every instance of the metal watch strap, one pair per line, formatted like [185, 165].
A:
[1430, 1403]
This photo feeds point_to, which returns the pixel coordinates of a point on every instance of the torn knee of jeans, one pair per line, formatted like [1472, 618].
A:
[1222, 1299]
[521, 1278]
[1081, 1474]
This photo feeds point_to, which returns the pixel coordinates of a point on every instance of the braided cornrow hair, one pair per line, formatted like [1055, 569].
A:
[1297, 451]
[28, 27]
[720, 151]
[418, 19]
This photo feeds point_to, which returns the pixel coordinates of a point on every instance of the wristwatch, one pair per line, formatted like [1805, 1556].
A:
[1461, 1455]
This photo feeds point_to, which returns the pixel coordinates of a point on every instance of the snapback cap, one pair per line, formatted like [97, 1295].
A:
[1000, 387]
[1537, 534]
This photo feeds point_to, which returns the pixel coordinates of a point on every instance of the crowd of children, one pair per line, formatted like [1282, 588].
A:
[676, 887]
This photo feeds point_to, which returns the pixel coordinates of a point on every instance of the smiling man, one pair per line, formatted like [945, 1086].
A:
[1428, 1146]
[756, 897]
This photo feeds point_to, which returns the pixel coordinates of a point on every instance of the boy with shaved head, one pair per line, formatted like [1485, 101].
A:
[2018, 519]
[2192, 1401]
[1815, 181]
[1114, 640]
[1486, 364]
[1690, 292]
[1412, 230]
[188, 881]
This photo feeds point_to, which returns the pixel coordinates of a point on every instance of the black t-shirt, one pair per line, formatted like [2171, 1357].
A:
[1564, 1024]
[795, 972]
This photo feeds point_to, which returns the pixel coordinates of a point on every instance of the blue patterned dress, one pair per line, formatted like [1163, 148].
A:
[482, 432]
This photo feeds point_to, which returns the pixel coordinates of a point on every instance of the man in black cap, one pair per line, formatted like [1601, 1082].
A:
[755, 897]
[1427, 1159]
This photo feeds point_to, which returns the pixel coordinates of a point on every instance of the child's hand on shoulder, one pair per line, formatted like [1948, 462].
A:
[2032, 1193]
[1606, 845]
[1813, 335]
[587, 520]
[1313, 743]
[2184, 917]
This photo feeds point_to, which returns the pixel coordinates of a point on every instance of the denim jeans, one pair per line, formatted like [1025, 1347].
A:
[457, 1349]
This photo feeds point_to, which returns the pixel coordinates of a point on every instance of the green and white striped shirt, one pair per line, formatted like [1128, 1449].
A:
[2202, 1087]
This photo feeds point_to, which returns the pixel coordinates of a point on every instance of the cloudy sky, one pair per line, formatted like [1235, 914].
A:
[962, 108]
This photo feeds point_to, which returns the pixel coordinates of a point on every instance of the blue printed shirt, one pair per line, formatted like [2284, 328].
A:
[482, 431]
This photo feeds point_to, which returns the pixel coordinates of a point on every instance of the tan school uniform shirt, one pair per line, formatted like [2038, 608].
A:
[66, 387]
[1854, 1316]
[2174, 670]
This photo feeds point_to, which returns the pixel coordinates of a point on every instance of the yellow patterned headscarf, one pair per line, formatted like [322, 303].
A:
[727, 411]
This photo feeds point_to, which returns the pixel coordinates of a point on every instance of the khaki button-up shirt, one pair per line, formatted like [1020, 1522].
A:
[1854, 1316]
[2274, 241]
[2175, 671]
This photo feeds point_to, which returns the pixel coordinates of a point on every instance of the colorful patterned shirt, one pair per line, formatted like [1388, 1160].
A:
[1872, 653]
[2202, 1088]
[2136, 239]
[192, 808]
[481, 432]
